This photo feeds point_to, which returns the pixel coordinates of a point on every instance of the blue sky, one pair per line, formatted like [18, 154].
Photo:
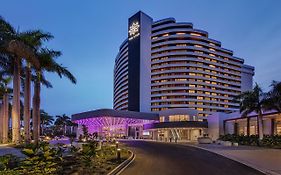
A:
[89, 34]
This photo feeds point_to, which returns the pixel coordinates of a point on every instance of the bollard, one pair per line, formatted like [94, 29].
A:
[117, 144]
[118, 154]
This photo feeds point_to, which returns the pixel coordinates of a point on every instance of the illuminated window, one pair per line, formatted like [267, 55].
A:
[181, 33]
[180, 79]
[212, 66]
[212, 44]
[175, 118]
[162, 119]
[212, 54]
[199, 98]
[155, 37]
[195, 34]
[166, 34]
[191, 91]
[193, 74]
[198, 46]
[192, 85]
[181, 45]
[212, 49]
[200, 109]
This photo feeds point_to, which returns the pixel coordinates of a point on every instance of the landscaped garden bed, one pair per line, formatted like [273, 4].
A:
[253, 140]
[59, 159]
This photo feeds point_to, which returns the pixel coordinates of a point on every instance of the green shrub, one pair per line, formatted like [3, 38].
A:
[253, 140]
[8, 161]
[41, 160]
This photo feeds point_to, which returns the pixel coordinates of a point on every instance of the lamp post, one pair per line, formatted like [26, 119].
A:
[119, 154]
[117, 144]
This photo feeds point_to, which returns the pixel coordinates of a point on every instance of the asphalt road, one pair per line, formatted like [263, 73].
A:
[154, 158]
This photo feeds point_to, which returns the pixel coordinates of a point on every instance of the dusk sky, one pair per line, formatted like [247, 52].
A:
[89, 34]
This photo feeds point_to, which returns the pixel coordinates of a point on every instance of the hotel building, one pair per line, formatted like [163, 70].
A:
[168, 78]
[167, 64]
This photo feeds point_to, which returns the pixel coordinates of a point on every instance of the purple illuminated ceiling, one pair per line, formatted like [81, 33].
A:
[111, 121]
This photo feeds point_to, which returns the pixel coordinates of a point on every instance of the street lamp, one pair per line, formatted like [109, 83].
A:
[117, 144]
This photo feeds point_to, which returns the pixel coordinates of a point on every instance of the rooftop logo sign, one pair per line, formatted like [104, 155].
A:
[134, 30]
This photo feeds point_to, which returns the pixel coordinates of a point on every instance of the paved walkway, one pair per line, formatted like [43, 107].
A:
[263, 159]
[7, 149]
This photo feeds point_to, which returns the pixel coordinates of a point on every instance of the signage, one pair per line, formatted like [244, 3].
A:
[134, 30]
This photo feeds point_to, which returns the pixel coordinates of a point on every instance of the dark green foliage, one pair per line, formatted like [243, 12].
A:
[8, 161]
[85, 132]
[41, 160]
[253, 140]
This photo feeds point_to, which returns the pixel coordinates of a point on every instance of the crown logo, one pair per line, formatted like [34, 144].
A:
[134, 28]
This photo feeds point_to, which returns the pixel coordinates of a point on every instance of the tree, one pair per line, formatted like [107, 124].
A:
[274, 97]
[253, 101]
[63, 121]
[5, 91]
[16, 49]
[46, 120]
[35, 39]
[47, 62]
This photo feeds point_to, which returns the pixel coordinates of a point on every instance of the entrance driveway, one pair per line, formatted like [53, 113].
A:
[154, 158]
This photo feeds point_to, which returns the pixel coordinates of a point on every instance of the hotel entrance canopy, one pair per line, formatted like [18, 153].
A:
[97, 120]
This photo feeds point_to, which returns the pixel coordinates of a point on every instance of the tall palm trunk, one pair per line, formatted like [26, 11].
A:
[16, 103]
[27, 96]
[260, 125]
[36, 110]
[5, 118]
[1, 122]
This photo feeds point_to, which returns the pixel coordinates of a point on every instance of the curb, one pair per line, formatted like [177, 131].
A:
[120, 168]
[267, 172]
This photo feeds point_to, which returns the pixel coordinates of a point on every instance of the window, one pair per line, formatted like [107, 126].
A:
[199, 98]
[162, 119]
[175, 118]
[195, 34]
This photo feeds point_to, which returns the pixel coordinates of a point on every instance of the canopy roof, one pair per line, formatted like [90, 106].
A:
[115, 114]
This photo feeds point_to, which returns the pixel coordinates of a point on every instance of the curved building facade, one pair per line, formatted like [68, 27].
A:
[167, 64]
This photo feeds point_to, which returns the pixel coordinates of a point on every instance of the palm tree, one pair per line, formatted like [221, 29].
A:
[4, 93]
[253, 101]
[34, 39]
[274, 97]
[46, 120]
[63, 121]
[13, 45]
[47, 62]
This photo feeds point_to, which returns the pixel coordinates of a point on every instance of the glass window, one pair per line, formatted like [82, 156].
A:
[162, 119]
